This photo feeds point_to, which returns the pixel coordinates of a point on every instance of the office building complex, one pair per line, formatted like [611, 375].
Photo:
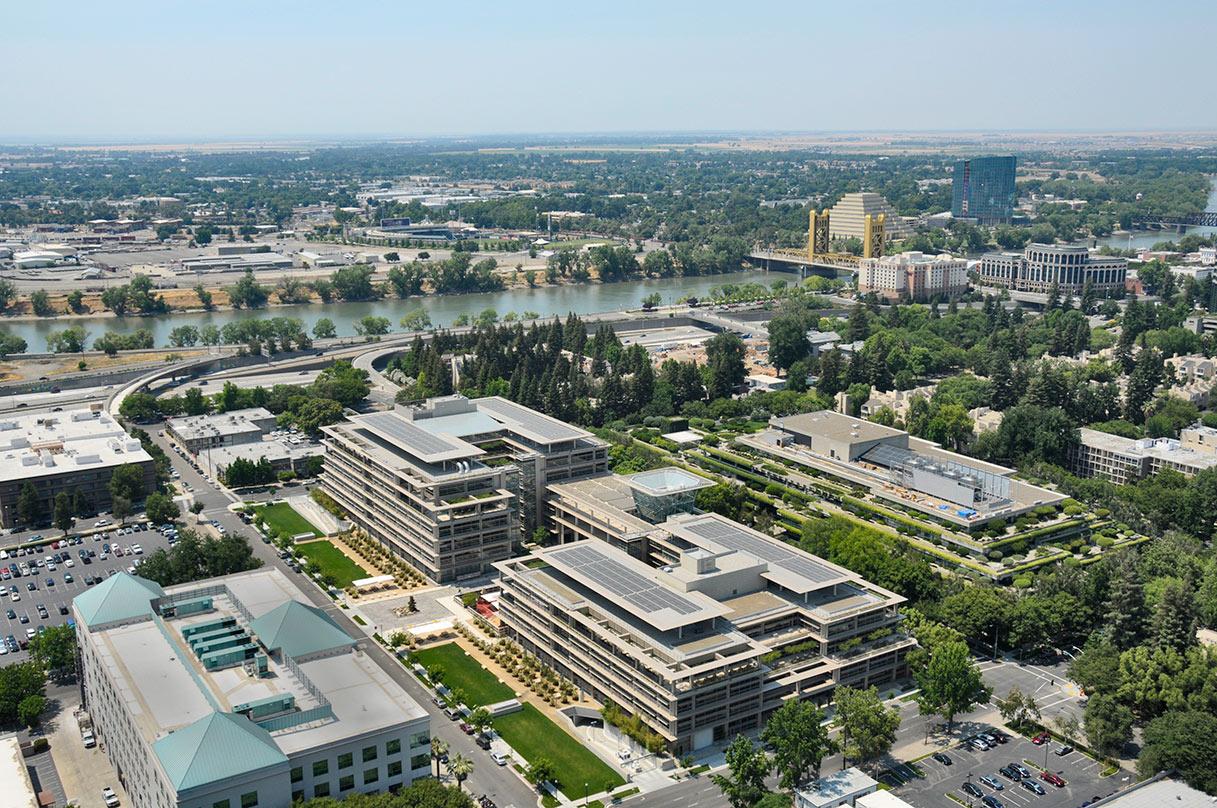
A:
[913, 276]
[847, 219]
[982, 188]
[694, 623]
[1125, 460]
[449, 484]
[195, 433]
[75, 451]
[894, 465]
[1040, 266]
[237, 693]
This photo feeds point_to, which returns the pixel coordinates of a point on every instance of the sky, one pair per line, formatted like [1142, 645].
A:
[171, 70]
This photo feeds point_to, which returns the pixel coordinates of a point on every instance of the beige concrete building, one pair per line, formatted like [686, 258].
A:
[450, 483]
[847, 219]
[697, 624]
[1125, 460]
[914, 276]
[1040, 266]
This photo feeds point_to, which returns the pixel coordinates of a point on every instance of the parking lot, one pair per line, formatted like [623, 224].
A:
[1080, 774]
[25, 613]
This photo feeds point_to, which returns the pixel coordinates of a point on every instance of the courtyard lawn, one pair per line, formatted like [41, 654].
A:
[283, 518]
[462, 673]
[333, 562]
[534, 736]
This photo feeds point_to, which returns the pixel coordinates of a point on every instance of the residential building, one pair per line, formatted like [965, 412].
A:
[699, 625]
[237, 693]
[898, 401]
[839, 788]
[910, 472]
[1124, 460]
[1040, 266]
[75, 451]
[847, 219]
[914, 276]
[195, 433]
[449, 483]
[982, 188]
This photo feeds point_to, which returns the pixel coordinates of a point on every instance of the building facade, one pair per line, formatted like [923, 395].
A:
[847, 219]
[982, 188]
[449, 484]
[1124, 460]
[716, 624]
[75, 452]
[914, 276]
[197, 433]
[235, 693]
[1041, 266]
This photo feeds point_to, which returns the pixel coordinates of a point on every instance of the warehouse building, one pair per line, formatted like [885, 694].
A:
[910, 472]
[75, 451]
[237, 693]
[697, 624]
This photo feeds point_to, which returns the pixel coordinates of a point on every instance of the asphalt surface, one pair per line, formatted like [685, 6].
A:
[501, 785]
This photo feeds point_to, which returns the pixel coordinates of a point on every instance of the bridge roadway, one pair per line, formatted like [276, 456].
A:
[1206, 218]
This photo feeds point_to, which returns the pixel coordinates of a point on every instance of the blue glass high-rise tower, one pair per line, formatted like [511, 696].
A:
[983, 189]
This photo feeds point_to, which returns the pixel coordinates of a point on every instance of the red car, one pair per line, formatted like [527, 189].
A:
[1055, 779]
[1041, 739]
[467, 728]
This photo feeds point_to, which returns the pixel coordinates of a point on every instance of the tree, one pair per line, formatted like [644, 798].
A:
[204, 296]
[30, 709]
[69, 340]
[416, 320]
[139, 407]
[1018, 709]
[868, 726]
[160, 508]
[8, 293]
[1185, 741]
[64, 518]
[11, 344]
[127, 481]
[120, 508]
[1126, 603]
[787, 341]
[951, 683]
[479, 719]
[747, 766]
[40, 302]
[724, 364]
[55, 649]
[354, 283]
[29, 505]
[439, 748]
[799, 739]
[184, 336]
[324, 329]
[541, 770]
[372, 326]
[1108, 724]
[1097, 668]
[196, 508]
[460, 767]
[1174, 621]
[248, 293]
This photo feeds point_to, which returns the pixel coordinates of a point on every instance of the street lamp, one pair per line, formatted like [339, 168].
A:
[585, 795]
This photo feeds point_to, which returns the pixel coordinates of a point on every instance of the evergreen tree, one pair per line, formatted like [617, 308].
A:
[1174, 623]
[29, 506]
[1125, 606]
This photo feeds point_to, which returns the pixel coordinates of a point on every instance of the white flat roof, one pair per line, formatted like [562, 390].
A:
[15, 782]
[78, 440]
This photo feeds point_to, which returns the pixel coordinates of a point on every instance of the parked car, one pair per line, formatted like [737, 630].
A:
[998, 735]
[1033, 787]
[1010, 773]
[466, 728]
[109, 797]
[499, 758]
[992, 802]
[1054, 779]
[1041, 739]
[979, 744]
[972, 789]
[992, 782]
[943, 758]
[89, 738]
[1022, 770]
[482, 740]
[1064, 750]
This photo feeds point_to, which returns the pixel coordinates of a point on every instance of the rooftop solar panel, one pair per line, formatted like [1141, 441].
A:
[428, 447]
[734, 537]
[529, 423]
[622, 582]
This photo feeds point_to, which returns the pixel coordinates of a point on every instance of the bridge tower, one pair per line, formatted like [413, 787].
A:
[874, 237]
[817, 234]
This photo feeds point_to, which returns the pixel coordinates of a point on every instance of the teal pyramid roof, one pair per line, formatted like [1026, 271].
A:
[119, 597]
[298, 630]
[216, 747]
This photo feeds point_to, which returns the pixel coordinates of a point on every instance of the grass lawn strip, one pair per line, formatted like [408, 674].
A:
[333, 562]
[462, 673]
[283, 518]
[532, 735]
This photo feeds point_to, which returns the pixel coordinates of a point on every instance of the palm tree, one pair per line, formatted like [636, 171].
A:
[460, 767]
[438, 749]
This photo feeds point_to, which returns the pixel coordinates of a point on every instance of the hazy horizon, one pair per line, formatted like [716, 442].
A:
[148, 72]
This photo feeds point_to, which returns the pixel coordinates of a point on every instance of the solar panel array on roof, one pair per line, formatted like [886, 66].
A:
[419, 442]
[735, 538]
[623, 582]
[529, 423]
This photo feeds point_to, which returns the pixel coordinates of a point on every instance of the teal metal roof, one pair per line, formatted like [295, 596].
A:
[119, 597]
[216, 747]
[298, 630]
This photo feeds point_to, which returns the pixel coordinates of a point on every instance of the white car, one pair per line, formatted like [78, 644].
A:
[137, 549]
[499, 758]
[89, 738]
[110, 798]
[69, 563]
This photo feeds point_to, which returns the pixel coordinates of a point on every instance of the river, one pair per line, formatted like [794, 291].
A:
[1140, 239]
[547, 301]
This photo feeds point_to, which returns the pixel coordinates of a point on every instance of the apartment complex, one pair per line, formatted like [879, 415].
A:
[910, 472]
[237, 693]
[913, 275]
[450, 483]
[982, 188]
[697, 624]
[1040, 266]
[75, 452]
[847, 219]
[1125, 460]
